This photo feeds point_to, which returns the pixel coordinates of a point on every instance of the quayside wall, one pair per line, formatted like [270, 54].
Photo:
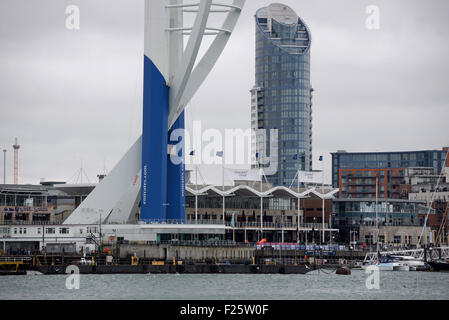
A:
[166, 252]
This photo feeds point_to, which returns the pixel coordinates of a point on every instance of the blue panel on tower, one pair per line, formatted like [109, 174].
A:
[154, 144]
[176, 175]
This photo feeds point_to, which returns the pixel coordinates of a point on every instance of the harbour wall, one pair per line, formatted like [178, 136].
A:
[166, 252]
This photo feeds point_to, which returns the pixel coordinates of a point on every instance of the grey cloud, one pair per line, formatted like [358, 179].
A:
[77, 96]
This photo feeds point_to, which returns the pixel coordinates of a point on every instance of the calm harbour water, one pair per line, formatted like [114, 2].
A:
[313, 286]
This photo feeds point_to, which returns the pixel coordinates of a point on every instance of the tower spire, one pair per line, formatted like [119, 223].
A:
[16, 147]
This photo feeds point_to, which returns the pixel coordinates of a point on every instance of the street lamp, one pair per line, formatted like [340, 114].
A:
[314, 219]
[352, 242]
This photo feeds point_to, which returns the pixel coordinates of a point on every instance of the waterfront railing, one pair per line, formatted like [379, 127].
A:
[28, 223]
[277, 225]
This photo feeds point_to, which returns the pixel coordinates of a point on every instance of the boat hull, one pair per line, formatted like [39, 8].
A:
[439, 266]
[389, 267]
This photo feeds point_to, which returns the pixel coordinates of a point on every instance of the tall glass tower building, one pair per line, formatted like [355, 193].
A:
[282, 95]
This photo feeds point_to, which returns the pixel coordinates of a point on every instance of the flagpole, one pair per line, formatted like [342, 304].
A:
[282, 225]
[322, 191]
[261, 203]
[299, 200]
[377, 209]
[261, 208]
[222, 186]
[196, 194]
[299, 211]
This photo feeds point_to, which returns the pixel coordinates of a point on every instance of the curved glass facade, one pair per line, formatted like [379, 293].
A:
[282, 97]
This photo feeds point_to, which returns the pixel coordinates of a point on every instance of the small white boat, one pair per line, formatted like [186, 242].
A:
[396, 263]
[410, 262]
[384, 266]
[390, 266]
[402, 267]
[34, 273]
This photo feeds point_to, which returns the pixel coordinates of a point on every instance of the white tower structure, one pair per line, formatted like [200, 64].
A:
[173, 74]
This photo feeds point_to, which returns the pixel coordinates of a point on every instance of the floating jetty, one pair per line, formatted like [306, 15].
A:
[12, 268]
[103, 264]
[186, 259]
[180, 268]
[442, 266]
[166, 259]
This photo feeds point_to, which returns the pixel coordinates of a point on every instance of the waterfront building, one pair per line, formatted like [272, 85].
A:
[54, 238]
[433, 188]
[400, 222]
[282, 95]
[427, 186]
[356, 173]
[65, 198]
[282, 220]
[47, 203]
[25, 204]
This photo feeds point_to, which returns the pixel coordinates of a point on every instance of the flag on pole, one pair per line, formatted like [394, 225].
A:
[310, 177]
[243, 174]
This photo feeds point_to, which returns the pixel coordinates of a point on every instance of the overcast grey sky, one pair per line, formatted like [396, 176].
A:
[75, 97]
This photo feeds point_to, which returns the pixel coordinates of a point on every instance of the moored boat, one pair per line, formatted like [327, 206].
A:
[397, 263]
[439, 265]
[409, 262]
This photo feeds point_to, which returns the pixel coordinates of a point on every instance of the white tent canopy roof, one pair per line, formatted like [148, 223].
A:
[244, 190]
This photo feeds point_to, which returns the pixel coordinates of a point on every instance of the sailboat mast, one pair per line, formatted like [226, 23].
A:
[432, 200]
[377, 212]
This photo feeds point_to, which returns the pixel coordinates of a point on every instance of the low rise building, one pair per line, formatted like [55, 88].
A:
[393, 222]
[56, 238]
[282, 214]
[434, 189]
[25, 204]
[357, 173]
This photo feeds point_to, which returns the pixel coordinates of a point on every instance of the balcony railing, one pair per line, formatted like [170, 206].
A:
[240, 225]
[272, 225]
[196, 243]
[361, 184]
[343, 223]
[182, 222]
[28, 223]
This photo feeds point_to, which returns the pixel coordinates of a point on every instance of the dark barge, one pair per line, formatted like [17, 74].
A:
[439, 265]
[12, 268]
[199, 268]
